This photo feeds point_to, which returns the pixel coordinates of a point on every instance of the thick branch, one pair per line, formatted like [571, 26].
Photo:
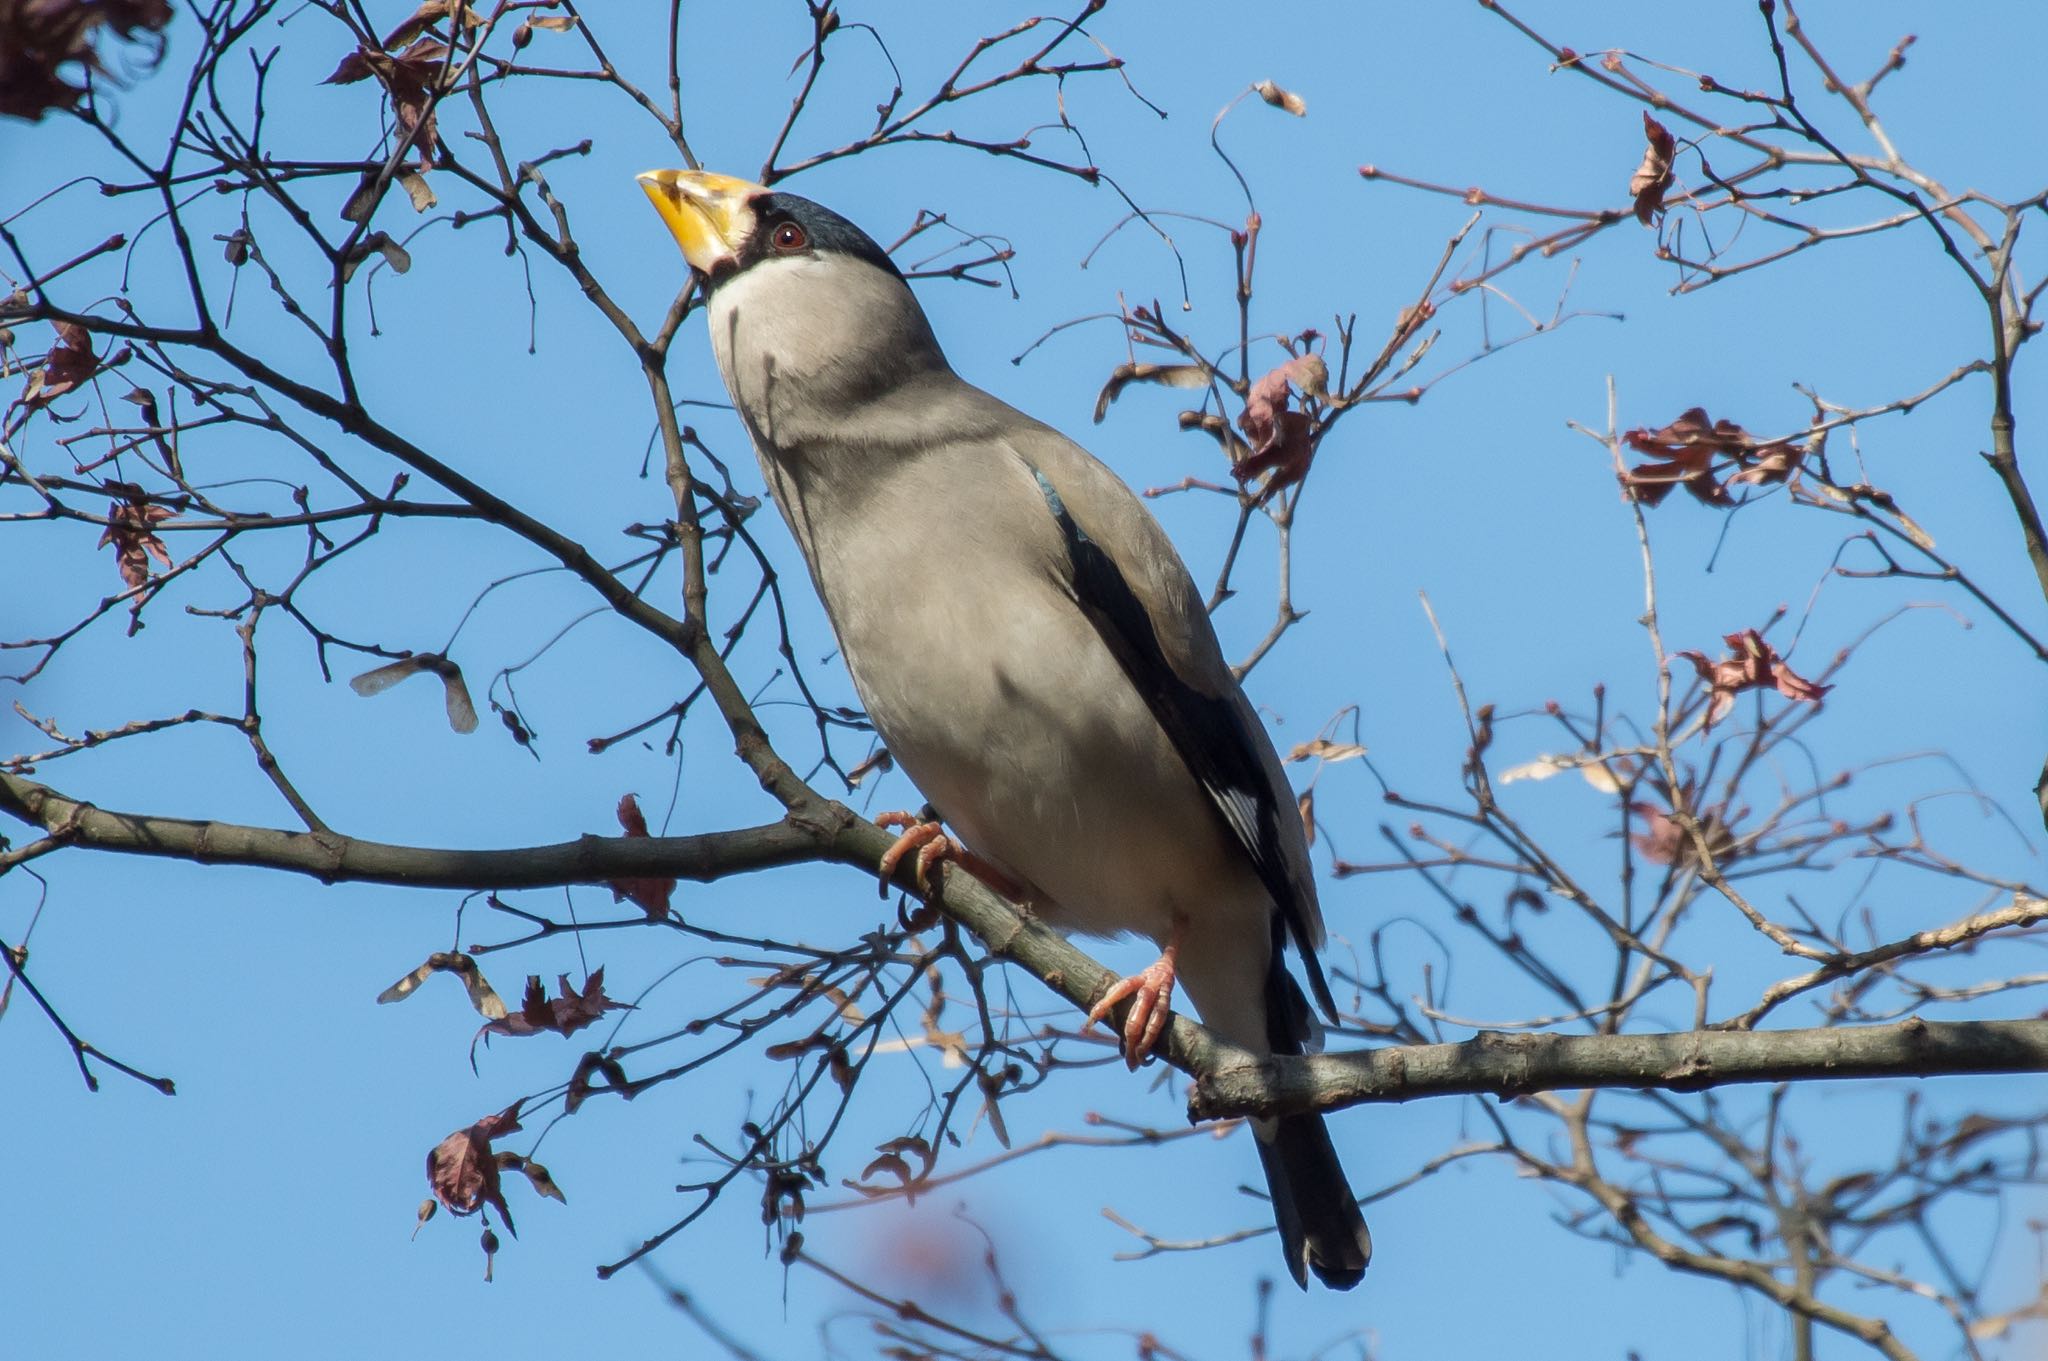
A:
[334, 858]
[1492, 1063]
[1228, 1081]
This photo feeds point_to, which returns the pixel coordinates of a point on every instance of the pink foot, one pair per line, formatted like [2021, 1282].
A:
[1150, 990]
[932, 845]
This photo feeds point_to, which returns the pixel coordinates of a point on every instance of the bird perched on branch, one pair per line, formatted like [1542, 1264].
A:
[1031, 649]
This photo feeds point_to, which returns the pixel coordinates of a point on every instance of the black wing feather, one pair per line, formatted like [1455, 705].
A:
[1208, 731]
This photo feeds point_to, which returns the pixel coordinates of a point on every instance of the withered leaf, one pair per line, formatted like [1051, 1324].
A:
[131, 529]
[564, 1015]
[71, 361]
[462, 1169]
[651, 894]
[1653, 177]
[40, 42]
[1280, 438]
[1689, 452]
[1754, 665]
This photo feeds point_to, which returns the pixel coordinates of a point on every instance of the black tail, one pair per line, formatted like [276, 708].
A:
[1321, 1229]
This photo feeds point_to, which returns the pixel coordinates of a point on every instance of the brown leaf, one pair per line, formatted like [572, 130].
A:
[1754, 665]
[1305, 805]
[1280, 438]
[409, 78]
[1687, 451]
[131, 529]
[71, 361]
[429, 13]
[564, 1015]
[39, 41]
[1653, 177]
[650, 893]
[462, 1170]
[1282, 99]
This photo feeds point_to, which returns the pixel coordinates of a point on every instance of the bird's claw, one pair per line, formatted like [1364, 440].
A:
[928, 839]
[1150, 991]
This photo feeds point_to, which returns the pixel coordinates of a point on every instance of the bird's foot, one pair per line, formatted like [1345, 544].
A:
[932, 845]
[1150, 990]
[928, 839]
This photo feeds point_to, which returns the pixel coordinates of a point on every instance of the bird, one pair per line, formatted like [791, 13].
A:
[1031, 650]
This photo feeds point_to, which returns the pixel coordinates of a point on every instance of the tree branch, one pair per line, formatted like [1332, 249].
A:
[1229, 1081]
[1503, 1065]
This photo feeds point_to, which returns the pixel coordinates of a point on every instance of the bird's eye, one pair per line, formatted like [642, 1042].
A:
[789, 236]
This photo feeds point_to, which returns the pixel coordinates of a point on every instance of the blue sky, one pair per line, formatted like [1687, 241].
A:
[266, 1209]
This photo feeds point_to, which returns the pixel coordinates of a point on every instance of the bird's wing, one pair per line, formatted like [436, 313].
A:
[1123, 572]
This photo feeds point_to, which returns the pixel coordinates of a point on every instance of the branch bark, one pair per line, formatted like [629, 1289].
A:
[1228, 1081]
[1504, 1065]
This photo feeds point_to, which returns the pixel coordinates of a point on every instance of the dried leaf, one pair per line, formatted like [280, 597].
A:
[1688, 451]
[651, 894]
[1653, 177]
[40, 43]
[131, 529]
[562, 1015]
[1305, 805]
[71, 361]
[1282, 99]
[1755, 665]
[462, 1169]
[1281, 442]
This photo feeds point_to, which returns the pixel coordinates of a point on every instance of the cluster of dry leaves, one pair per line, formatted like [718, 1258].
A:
[463, 1169]
[1706, 457]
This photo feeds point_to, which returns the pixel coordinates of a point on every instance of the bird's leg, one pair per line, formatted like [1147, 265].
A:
[932, 845]
[1150, 989]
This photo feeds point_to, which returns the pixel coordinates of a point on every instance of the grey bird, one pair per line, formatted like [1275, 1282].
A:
[1030, 648]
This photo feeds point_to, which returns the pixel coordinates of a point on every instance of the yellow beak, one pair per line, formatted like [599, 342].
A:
[709, 215]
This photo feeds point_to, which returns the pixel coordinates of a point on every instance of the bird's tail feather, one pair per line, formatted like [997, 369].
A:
[1321, 1229]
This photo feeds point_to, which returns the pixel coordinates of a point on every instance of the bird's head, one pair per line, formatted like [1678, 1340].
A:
[809, 318]
[727, 226]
